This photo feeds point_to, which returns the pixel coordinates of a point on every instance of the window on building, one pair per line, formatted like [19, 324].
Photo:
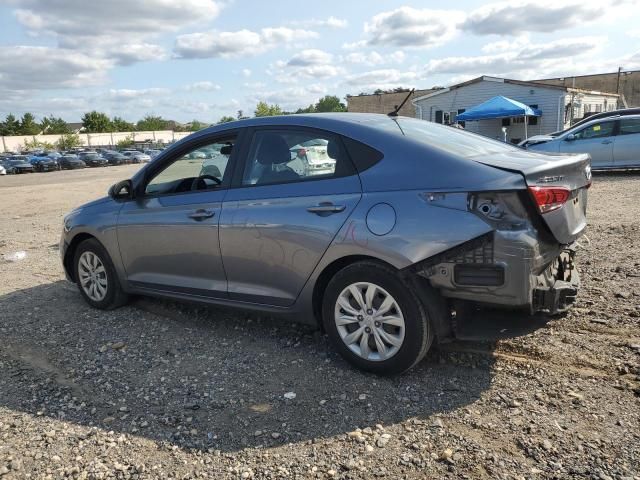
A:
[438, 116]
[446, 120]
[587, 108]
[598, 107]
[506, 122]
[462, 110]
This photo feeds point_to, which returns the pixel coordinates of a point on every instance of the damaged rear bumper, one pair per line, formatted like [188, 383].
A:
[506, 268]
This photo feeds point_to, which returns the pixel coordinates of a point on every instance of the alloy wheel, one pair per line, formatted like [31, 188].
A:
[93, 276]
[369, 321]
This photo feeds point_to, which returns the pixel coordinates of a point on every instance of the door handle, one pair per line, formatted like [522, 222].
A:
[202, 214]
[606, 142]
[326, 208]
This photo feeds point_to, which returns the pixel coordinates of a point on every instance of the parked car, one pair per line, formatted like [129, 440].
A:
[44, 163]
[93, 159]
[136, 156]
[18, 164]
[115, 158]
[612, 142]
[3, 171]
[414, 217]
[70, 162]
[311, 158]
[153, 153]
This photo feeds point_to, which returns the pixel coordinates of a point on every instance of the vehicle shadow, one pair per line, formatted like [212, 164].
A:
[209, 378]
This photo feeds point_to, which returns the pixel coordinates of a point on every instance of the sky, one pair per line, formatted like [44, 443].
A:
[202, 59]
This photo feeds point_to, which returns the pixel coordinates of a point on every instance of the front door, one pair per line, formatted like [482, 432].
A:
[168, 235]
[596, 140]
[284, 212]
[626, 147]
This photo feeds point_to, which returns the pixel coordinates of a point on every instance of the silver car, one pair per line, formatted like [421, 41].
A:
[612, 142]
[412, 219]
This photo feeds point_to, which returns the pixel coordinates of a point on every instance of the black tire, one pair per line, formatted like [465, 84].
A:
[115, 296]
[418, 335]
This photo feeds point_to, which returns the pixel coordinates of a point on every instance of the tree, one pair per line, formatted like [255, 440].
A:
[197, 125]
[330, 103]
[96, 122]
[69, 140]
[10, 126]
[151, 122]
[54, 126]
[28, 125]
[227, 119]
[241, 115]
[120, 125]
[37, 145]
[263, 109]
[310, 109]
[125, 142]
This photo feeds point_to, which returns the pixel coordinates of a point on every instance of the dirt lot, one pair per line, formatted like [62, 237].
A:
[162, 390]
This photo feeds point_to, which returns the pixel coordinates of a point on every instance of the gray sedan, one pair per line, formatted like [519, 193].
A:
[411, 219]
[613, 142]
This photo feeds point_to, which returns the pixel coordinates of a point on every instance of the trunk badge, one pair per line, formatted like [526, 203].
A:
[555, 178]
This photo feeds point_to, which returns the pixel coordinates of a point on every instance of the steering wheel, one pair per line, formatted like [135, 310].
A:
[196, 184]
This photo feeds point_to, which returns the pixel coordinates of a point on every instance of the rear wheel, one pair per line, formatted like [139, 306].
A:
[96, 276]
[375, 319]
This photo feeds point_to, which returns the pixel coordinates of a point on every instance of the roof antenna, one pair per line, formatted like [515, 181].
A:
[398, 107]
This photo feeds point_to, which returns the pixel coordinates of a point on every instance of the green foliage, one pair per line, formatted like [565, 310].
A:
[125, 142]
[196, 125]
[54, 126]
[226, 119]
[152, 122]
[69, 140]
[10, 126]
[310, 109]
[330, 103]
[28, 125]
[263, 109]
[120, 125]
[37, 145]
[96, 122]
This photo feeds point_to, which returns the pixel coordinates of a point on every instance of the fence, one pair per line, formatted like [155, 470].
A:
[17, 143]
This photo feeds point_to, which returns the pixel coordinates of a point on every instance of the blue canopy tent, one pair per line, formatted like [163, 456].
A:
[499, 107]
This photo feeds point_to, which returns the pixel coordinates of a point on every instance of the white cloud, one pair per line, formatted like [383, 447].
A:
[127, 94]
[114, 29]
[354, 45]
[330, 22]
[411, 27]
[526, 58]
[246, 72]
[517, 17]
[373, 58]
[310, 57]
[290, 98]
[35, 68]
[382, 79]
[203, 86]
[214, 44]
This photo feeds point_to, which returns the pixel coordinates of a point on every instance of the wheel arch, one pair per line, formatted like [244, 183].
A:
[71, 252]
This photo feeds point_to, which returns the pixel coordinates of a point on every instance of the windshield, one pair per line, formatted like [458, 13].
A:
[451, 139]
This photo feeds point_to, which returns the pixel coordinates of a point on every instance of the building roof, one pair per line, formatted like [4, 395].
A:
[488, 78]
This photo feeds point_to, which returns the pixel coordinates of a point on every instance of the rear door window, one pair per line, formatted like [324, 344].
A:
[629, 126]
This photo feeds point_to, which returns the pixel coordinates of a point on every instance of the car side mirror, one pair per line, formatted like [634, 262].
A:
[570, 138]
[122, 190]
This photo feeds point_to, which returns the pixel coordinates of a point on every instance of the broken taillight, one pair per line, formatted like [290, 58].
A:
[549, 198]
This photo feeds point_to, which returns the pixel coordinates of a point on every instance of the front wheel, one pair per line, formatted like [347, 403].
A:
[375, 319]
[96, 277]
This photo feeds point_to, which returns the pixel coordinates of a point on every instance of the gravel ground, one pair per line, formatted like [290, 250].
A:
[166, 390]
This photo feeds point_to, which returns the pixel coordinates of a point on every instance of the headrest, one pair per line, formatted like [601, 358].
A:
[333, 149]
[226, 149]
[273, 150]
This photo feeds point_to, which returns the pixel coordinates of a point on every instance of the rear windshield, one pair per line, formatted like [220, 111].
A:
[446, 138]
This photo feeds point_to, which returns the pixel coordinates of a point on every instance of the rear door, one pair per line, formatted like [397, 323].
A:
[280, 217]
[626, 147]
[596, 140]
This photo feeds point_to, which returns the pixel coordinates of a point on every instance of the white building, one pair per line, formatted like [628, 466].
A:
[555, 102]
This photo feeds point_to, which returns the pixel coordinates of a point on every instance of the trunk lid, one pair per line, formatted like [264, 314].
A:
[572, 172]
